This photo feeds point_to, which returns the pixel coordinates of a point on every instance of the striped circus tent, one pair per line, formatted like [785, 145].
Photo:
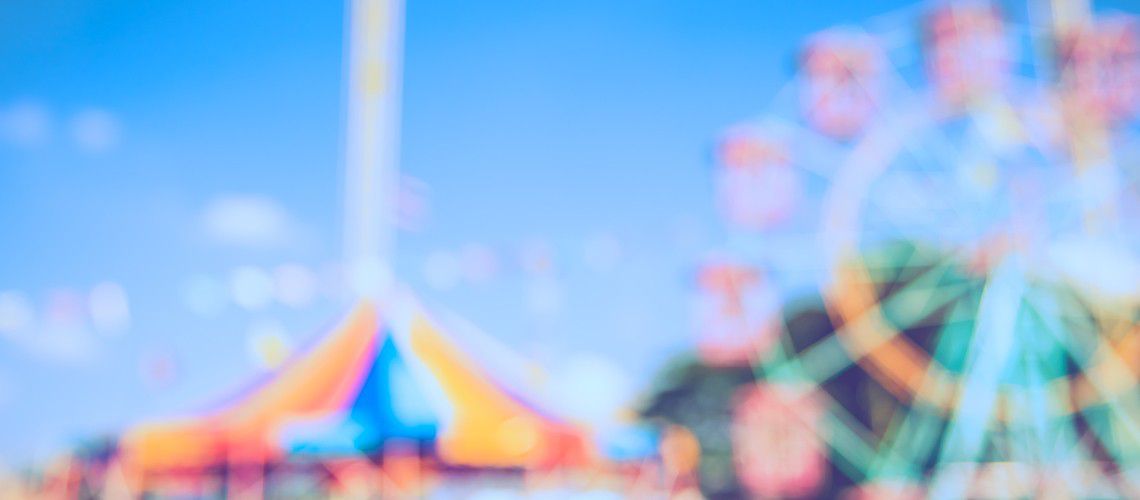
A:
[408, 376]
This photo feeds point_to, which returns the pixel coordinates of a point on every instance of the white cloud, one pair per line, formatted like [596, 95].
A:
[251, 288]
[62, 329]
[109, 308]
[68, 344]
[479, 262]
[63, 335]
[250, 221]
[95, 130]
[294, 285]
[25, 124]
[16, 313]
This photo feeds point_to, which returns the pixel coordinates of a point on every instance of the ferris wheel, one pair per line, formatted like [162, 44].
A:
[962, 178]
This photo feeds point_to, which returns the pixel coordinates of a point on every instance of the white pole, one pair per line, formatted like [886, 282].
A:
[372, 138]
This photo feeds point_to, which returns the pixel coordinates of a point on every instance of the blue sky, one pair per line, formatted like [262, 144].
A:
[531, 124]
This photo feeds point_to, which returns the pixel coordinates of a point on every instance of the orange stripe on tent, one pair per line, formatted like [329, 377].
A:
[488, 427]
[320, 382]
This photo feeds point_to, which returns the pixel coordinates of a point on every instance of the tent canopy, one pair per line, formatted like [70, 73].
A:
[361, 386]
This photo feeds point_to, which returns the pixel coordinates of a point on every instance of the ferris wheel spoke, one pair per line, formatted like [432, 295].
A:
[1041, 36]
[883, 266]
[828, 357]
[1050, 433]
[992, 347]
[920, 423]
[849, 438]
[1101, 366]
[903, 457]
[841, 431]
